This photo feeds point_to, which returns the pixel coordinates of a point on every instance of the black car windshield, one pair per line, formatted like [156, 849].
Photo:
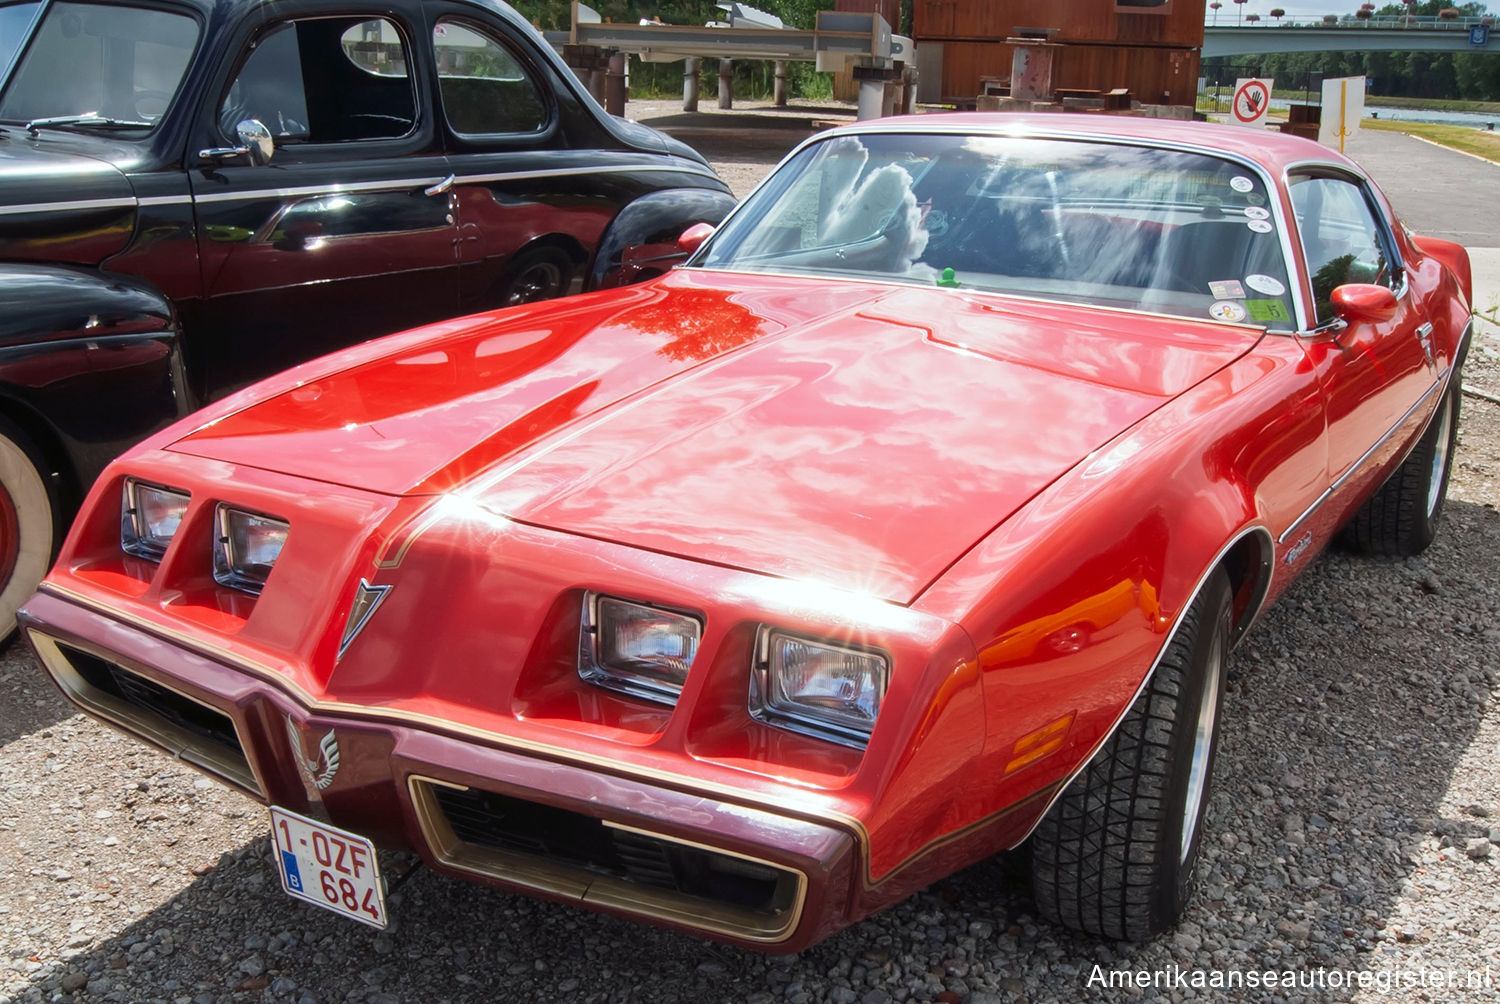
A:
[1080, 221]
[99, 66]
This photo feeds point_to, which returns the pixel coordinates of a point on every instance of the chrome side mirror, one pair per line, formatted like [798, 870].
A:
[256, 140]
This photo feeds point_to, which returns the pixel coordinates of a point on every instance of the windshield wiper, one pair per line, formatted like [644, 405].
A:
[86, 119]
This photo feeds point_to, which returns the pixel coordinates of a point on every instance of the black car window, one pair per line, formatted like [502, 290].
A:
[1341, 239]
[324, 80]
[14, 20]
[485, 89]
[113, 66]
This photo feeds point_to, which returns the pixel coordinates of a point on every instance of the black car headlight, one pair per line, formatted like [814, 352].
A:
[246, 546]
[818, 688]
[149, 518]
[641, 650]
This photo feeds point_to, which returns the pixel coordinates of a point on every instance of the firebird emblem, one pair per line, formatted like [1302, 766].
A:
[320, 769]
[367, 599]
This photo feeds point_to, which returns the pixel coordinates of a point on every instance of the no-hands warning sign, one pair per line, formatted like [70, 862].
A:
[1252, 98]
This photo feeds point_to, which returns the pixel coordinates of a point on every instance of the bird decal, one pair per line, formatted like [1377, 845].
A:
[319, 771]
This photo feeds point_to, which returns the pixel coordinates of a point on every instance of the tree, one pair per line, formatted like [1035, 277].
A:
[1215, 8]
[1278, 14]
[1251, 18]
[1241, 5]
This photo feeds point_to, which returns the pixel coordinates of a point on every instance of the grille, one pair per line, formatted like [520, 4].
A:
[202, 735]
[684, 882]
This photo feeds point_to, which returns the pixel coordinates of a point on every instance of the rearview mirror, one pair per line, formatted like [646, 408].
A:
[693, 237]
[1363, 302]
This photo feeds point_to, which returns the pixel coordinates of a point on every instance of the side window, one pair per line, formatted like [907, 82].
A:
[1340, 238]
[485, 89]
[324, 80]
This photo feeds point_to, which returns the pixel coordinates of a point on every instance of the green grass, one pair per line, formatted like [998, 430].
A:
[1475, 141]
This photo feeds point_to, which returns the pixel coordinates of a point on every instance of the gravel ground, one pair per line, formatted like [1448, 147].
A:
[1354, 828]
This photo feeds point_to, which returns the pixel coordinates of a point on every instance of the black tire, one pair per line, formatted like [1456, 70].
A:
[538, 274]
[30, 523]
[1401, 518]
[1116, 854]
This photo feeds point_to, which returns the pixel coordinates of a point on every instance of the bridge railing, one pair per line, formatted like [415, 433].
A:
[1401, 22]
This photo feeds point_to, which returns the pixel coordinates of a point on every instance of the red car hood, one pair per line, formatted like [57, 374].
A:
[860, 435]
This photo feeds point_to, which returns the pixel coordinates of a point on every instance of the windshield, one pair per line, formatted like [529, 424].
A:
[1086, 222]
[101, 63]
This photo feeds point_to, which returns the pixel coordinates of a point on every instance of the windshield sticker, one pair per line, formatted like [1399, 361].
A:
[1267, 284]
[1267, 310]
[1227, 289]
[1257, 213]
[1240, 183]
[1260, 226]
[1226, 310]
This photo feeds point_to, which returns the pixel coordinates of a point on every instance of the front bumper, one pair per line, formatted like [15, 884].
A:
[508, 817]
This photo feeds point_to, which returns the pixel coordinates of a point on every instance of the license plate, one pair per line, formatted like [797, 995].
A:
[328, 867]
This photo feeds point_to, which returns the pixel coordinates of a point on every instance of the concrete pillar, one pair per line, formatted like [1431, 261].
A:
[779, 91]
[690, 84]
[871, 98]
[614, 85]
[726, 83]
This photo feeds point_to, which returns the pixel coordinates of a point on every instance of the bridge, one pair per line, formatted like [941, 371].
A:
[1350, 34]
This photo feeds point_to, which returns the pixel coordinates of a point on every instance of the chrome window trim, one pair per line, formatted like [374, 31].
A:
[899, 126]
[27, 36]
[1213, 565]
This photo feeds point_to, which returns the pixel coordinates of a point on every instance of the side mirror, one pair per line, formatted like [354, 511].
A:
[1358, 302]
[256, 140]
[693, 237]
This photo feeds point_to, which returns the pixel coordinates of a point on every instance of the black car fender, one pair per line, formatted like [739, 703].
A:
[642, 240]
[90, 363]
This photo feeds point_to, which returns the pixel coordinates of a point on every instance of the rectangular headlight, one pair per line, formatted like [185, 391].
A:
[637, 649]
[246, 545]
[817, 688]
[149, 518]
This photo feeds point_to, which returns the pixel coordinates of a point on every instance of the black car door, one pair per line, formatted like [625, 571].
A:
[348, 230]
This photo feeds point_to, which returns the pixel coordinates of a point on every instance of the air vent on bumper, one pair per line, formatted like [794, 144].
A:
[597, 861]
[181, 725]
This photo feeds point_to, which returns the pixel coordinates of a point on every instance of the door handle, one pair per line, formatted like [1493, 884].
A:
[440, 187]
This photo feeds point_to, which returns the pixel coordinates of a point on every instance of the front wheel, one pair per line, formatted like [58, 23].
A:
[28, 524]
[1116, 854]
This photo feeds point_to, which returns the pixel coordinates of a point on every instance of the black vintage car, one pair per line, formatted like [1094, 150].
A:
[194, 194]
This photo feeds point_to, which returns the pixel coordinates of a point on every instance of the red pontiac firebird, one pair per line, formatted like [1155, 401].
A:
[913, 520]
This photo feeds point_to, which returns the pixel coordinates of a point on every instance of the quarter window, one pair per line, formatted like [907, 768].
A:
[324, 80]
[1341, 239]
[485, 89]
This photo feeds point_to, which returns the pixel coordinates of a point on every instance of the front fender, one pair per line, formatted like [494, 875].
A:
[642, 240]
[89, 362]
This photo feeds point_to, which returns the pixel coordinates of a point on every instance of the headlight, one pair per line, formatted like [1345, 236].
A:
[637, 649]
[245, 547]
[816, 687]
[149, 517]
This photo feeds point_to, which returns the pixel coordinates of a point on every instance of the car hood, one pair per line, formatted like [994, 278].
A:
[857, 434]
[60, 205]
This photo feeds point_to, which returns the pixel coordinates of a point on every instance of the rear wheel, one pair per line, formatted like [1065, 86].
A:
[538, 274]
[1116, 855]
[1401, 518]
[29, 523]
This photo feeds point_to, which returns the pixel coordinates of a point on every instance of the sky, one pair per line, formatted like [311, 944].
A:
[1294, 8]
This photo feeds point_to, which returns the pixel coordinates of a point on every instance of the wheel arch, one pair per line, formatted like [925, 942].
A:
[652, 224]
